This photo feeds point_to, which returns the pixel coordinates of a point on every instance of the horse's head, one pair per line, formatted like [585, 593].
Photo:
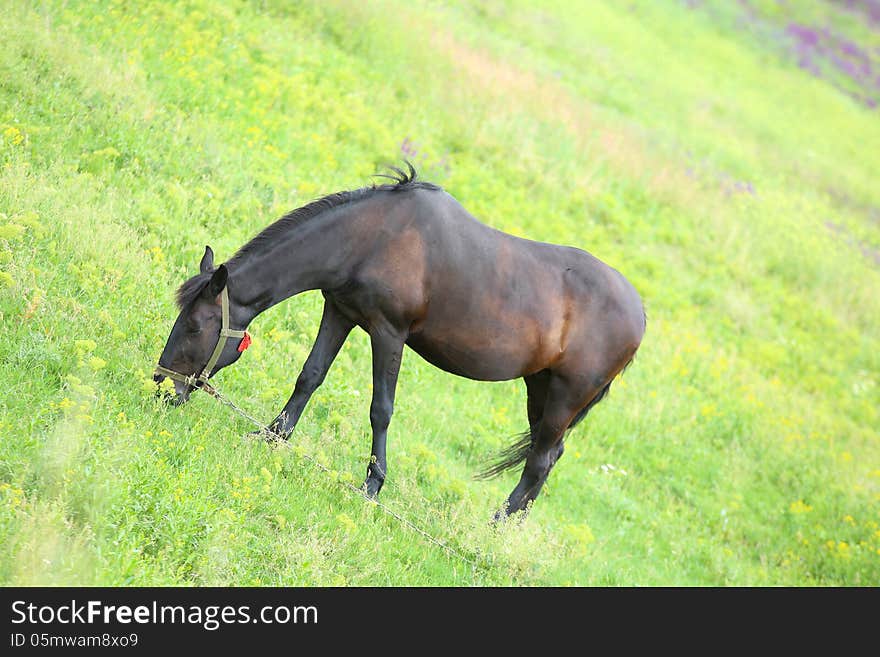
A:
[196, 335]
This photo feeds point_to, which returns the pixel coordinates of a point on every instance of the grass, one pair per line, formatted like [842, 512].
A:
[680, 142]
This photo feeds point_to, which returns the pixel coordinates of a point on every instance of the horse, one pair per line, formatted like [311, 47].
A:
[405, 262]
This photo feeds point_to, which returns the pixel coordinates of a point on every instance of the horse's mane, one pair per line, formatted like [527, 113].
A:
[191, 289]
[402, 181]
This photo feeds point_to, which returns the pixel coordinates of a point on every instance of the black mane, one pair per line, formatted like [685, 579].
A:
[402, 181]
[190, 289]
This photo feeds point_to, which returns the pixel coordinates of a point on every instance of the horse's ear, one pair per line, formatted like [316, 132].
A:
[207, 263]
[218, 282]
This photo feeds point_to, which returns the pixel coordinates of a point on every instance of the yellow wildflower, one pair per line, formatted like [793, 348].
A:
[799, 507]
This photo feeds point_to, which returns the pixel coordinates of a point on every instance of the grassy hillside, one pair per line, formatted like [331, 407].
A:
[688, 144]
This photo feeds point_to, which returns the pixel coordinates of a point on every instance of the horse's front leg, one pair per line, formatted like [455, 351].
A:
[332, 333]
[387, 346]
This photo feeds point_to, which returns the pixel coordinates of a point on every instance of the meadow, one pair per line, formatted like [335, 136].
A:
[723, 156]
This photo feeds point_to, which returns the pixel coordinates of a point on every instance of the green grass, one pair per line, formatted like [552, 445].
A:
[741, 448]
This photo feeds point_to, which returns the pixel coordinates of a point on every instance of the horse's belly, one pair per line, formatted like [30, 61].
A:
[473, 361]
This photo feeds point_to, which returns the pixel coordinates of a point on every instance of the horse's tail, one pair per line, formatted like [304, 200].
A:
[511, 457]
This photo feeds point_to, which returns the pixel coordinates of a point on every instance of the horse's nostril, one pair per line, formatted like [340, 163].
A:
[158, 378]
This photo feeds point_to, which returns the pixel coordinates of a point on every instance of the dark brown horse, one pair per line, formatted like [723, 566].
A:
[410, 266]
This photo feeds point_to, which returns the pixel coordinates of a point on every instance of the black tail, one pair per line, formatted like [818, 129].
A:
[512, 456]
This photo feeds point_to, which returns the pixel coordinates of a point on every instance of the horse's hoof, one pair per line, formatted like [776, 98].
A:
[505, 514]
[266, 436]
[372, 487]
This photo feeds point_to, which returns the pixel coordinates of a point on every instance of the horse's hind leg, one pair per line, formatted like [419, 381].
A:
[561, 405]
[536, 391]
[537, 398]
[536, 387]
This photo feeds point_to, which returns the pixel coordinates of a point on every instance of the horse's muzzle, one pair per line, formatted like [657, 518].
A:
[181, 391]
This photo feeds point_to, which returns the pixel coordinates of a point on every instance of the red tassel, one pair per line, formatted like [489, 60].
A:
[245, 342]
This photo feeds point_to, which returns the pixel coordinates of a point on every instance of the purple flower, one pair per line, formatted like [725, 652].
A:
[803, 34]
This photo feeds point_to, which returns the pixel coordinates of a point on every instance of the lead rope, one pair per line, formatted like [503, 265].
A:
[278, 440]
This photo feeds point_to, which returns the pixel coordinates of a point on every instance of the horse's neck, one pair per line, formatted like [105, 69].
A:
[308, 258]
